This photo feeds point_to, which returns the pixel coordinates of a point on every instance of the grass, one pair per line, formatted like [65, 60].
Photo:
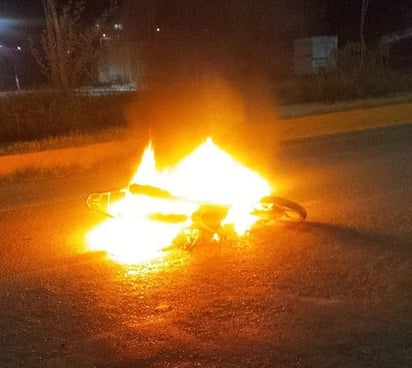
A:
[84, 122]
[63, 141]
[358, 116]
[319, 108]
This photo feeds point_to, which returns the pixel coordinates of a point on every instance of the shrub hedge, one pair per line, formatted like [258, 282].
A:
[35, 116]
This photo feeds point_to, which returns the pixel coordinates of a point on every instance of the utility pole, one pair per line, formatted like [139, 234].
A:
[364, 10]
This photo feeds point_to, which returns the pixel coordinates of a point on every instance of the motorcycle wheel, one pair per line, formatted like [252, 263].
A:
[281, 209]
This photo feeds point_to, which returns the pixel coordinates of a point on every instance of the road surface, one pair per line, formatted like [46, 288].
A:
[334, 291]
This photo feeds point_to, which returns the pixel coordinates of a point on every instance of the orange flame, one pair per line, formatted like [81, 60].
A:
[208, 175]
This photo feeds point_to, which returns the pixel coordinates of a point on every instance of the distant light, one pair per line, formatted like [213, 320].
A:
[104, 35]
[157, 29]
[18, 48]
[1, 46]
[118, 26]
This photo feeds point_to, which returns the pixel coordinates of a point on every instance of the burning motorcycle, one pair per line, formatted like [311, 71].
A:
[206, 223]
[207, 197]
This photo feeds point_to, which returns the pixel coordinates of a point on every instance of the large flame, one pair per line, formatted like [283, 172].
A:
[207, 176]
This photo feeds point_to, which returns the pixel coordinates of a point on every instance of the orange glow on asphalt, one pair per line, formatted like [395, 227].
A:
[206, 176]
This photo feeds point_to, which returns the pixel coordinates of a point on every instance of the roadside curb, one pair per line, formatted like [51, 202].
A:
[345, 121]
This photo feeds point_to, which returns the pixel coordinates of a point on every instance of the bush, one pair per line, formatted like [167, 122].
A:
[353, 79]
[36, 116]
[349, 80]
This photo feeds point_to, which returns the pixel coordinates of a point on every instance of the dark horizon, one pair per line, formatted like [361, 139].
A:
[199, 35]
[294, 17]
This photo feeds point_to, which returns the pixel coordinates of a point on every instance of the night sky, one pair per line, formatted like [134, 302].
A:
[215, 30]
[306, 17]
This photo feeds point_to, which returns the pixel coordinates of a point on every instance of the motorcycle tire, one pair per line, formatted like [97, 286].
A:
[281, 209]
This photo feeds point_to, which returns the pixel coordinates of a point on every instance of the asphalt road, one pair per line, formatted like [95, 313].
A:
[334, 291]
